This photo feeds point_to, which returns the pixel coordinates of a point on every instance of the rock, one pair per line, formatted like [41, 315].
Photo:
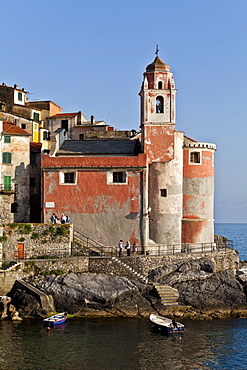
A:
[25, 303]
[4, 303]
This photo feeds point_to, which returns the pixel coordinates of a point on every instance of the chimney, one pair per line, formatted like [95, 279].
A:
[92, 120]
[79, 118]
[15, 86]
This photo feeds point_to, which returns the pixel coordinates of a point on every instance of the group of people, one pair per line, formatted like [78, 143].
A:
[63, 219]
[127, 247]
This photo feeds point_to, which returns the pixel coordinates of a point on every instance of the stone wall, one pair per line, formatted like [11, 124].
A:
[143, 264]
[65, 265]
[35, 240]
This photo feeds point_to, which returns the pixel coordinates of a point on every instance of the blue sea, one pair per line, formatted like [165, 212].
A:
[128, 344]
[237, 233]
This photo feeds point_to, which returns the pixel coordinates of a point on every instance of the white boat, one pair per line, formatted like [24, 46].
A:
[165, 324]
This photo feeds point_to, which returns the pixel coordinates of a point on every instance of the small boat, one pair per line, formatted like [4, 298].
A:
[51, 321]
[165, 324]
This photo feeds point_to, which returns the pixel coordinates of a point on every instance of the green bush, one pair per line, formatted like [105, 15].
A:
[35, 236]
[53, 272]
[51, 229]
[21, 239]
[25, 228]
[63, 230]
[3, 238]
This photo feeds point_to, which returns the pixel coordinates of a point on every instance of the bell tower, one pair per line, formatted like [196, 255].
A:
[158, 116]
[163, 146]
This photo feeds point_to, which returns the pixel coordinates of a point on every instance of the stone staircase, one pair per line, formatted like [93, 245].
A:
[130, 270]
[167, 294]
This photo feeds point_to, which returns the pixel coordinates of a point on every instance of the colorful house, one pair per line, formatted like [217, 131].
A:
[155, 188]
[14, 174]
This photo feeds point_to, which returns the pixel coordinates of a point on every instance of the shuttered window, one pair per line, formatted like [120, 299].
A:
[7, 139]
[6, 158]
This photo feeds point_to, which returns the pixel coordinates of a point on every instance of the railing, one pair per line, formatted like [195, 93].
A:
[92, 248]
[188, 248]
[9, 188]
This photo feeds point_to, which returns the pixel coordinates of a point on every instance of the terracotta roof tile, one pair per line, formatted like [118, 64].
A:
[64, 115]
[10, 128]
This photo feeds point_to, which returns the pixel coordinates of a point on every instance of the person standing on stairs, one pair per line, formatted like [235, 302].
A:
[120, 248]
[127, 247]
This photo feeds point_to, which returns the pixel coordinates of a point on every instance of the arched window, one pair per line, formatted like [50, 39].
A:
[159, 104]
[160, 85]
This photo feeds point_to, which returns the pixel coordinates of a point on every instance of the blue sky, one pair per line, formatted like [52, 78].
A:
[90, 56]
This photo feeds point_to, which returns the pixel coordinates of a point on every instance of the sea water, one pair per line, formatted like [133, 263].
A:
[129, 344]
[237, 233]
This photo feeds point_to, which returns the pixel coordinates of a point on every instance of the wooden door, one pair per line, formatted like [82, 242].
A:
[20, 250]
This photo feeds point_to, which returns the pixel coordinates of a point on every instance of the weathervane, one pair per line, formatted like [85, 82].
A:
[157, 51]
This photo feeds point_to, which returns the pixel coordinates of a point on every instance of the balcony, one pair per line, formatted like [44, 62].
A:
[8, 188]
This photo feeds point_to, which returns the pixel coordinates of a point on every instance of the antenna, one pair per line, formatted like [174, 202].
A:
[104, 115]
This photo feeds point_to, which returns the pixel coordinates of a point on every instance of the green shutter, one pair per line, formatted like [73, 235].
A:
[7, 183]
[19, 96]
[6, 158]
[36, 116]
[7, 139]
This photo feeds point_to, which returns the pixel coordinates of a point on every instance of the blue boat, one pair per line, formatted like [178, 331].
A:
[57, 319]
[166, 325]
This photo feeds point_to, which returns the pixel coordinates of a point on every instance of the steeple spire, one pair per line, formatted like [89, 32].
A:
[157, 50]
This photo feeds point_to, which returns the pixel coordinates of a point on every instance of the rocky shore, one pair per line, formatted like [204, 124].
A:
[203, 293]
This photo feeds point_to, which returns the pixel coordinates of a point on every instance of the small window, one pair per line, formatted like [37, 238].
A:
[45, 135]
[159, 104]
[163, 193]
[7, 139]
[160, 85]
[69, 177]
[32, 182]
[23, 126]
[19, 96]
[65, 124]
[6, 158]
[14, 207]
[81, 136]
[36, 116]
[119, 177]
[195, 157]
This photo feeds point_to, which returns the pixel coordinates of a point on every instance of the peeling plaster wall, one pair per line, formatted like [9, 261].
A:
[159, 142]
[104, 211]
[198, 198]
[166, 211]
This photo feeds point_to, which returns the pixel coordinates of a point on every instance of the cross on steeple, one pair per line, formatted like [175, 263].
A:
[157, 50]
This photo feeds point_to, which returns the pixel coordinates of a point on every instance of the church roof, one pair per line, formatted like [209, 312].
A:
[99, 147]
[157, 65]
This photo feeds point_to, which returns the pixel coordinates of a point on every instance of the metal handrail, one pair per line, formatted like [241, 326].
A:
[110, 251]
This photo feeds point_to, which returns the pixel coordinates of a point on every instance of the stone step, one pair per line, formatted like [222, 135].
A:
[168, 295]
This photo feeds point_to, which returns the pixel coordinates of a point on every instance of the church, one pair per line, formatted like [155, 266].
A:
[154, 187]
